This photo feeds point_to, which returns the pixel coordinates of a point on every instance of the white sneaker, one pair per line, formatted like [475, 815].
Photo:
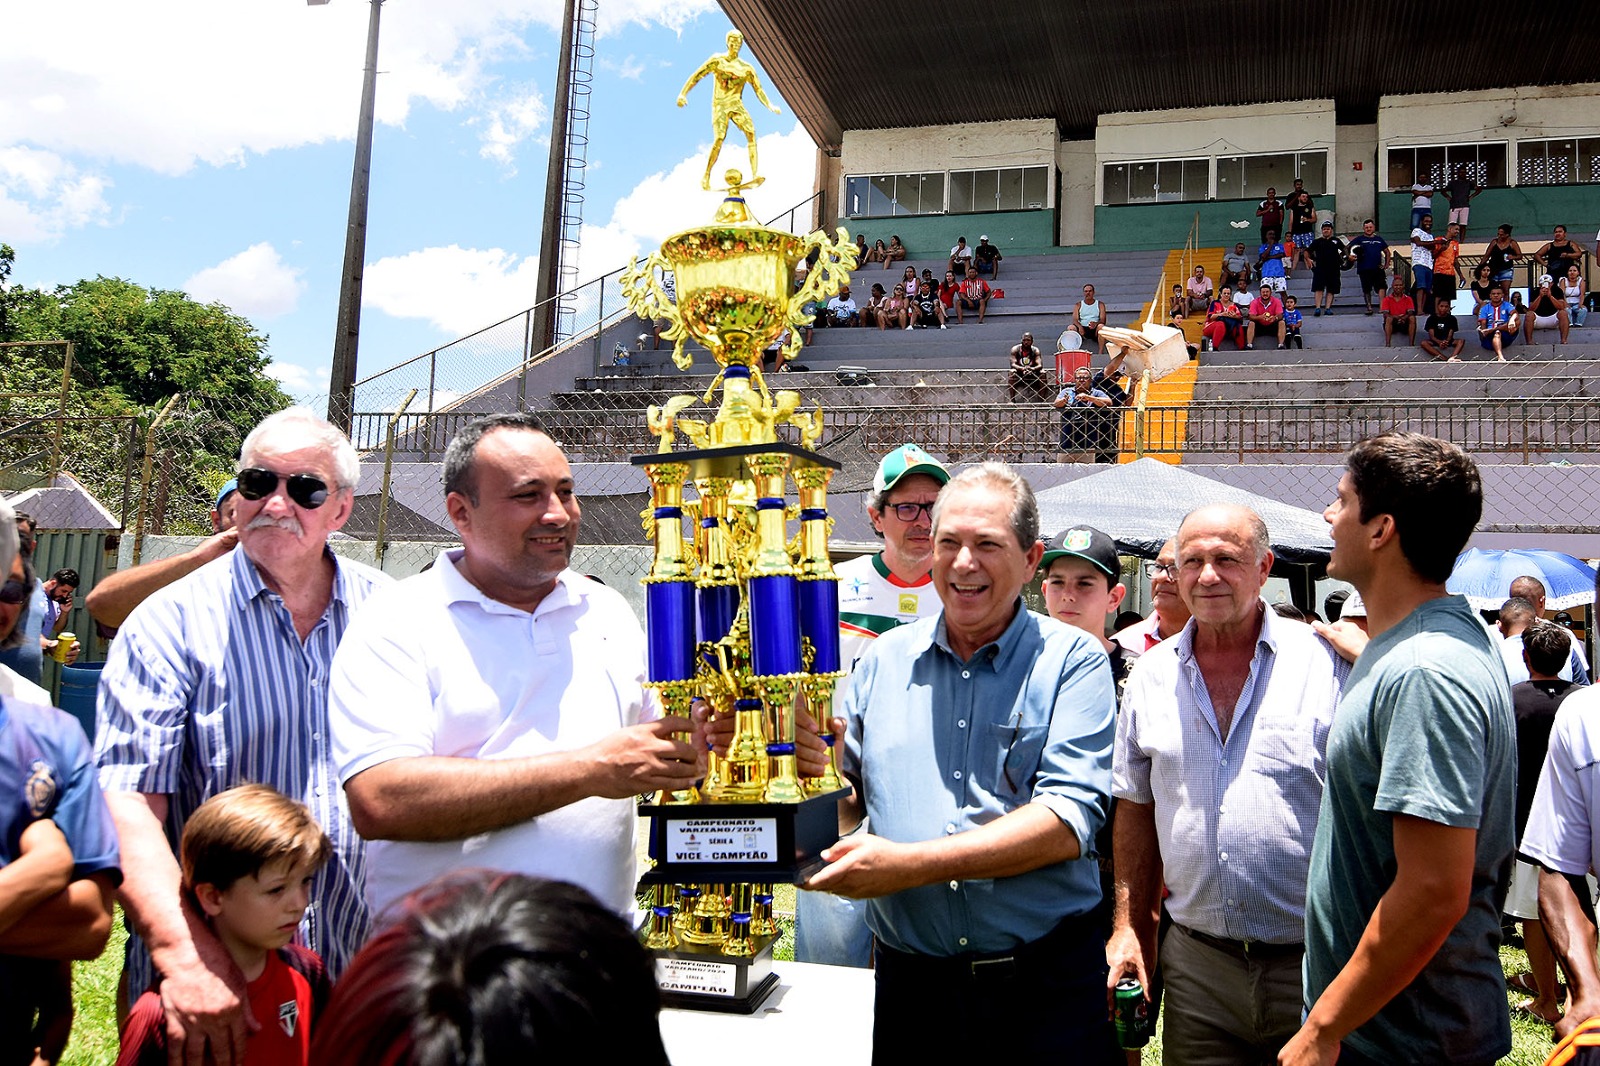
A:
[941, 325]
[908, 327]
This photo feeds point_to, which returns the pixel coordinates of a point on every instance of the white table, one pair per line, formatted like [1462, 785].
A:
[816, 1014]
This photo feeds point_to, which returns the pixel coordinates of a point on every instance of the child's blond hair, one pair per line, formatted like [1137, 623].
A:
[237, 833]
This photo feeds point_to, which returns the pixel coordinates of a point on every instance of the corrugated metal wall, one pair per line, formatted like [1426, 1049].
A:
[85, 552]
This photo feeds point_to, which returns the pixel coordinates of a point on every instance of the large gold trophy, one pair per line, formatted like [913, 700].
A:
[739, 615]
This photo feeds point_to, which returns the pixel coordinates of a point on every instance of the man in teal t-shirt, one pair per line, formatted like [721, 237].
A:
[1414, 841]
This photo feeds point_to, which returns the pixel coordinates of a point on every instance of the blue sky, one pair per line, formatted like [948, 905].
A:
[206, 146]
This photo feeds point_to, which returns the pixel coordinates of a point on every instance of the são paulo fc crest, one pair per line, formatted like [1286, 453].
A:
[41, 789]
[289, 1016]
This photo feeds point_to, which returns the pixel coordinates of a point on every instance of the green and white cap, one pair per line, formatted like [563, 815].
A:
[907, 459]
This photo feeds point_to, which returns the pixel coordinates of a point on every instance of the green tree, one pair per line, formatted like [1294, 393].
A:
[133, 348]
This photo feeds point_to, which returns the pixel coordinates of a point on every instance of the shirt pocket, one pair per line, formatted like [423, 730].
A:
[1287, 750]
[1017, 751]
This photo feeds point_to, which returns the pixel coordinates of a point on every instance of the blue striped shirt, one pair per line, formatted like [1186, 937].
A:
[1234, 819]
[208, 686]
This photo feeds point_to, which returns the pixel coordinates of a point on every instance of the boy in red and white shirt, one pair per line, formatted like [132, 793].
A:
[248, 857]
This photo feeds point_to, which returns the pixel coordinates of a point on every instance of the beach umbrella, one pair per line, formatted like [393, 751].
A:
[1484, 577]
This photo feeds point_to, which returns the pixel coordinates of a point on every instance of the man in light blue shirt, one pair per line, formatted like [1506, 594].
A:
[979, 743]
[1220, 760]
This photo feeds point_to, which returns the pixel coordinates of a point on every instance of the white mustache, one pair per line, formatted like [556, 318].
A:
[288, 523]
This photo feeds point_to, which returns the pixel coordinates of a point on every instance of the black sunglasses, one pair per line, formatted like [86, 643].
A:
[14, 592]
[304, 489]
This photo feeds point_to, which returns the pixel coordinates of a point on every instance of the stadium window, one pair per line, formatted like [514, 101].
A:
[873, 195]
[999, 189]
[1156, 181]
[1248, 177]
[1436, 164]
[1564, 161]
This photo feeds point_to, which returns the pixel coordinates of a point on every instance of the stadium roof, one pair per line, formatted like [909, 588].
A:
[893, 63]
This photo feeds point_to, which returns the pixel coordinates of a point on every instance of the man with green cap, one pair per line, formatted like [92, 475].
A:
[876, 594]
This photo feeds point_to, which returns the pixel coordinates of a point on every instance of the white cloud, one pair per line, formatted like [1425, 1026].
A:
[628, 67]
[42, 195]
[460, 290]
[457, 289]
[299, 381]
[510, 122]
[169, 84]
[256, 283]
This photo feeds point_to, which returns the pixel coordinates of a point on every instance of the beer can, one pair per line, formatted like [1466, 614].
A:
[1131, 1014]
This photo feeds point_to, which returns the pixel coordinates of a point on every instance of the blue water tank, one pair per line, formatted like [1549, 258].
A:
[80, 684]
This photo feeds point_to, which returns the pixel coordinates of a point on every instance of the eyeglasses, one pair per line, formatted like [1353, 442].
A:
[909, 512]
[14, 592]
[1166, 570]
[305, 490]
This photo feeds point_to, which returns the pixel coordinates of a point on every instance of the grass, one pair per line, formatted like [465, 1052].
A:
[94, 1033]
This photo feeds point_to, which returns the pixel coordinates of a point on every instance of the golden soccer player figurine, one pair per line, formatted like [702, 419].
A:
[727, 103]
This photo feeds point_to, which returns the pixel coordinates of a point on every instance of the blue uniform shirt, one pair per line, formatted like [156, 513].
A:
[27, 658]
[46, 771]
[941, 746]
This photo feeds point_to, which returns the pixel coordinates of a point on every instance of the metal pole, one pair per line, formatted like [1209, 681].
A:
[347, 331]
[61, 414]
[388, 469]
[527, 353]
[144, 478]
[544, 300]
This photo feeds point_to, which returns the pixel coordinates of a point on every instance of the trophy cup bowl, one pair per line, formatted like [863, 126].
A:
[734, 289]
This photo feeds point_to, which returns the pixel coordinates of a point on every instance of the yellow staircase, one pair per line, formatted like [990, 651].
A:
[1163, 429]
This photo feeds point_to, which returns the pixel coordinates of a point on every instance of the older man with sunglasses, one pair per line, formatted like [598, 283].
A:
[222, 678]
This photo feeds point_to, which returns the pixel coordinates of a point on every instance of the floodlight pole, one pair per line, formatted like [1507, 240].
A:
[555, 186]
[347, 330]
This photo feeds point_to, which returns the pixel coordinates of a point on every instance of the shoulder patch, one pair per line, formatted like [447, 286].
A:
[41, 789]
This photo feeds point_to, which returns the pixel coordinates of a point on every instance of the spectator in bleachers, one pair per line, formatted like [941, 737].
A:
[1271, 215]
[1497, 323]
[1235, 268]
[842, 310]
[1242, 299]
[1027, 372]
[1501, 253]
[878, 253]
[1421, 201]
[909, 280]
[1302, 224]
[1446, 265]
[1329, 256]
[1482, 282]
[1270, 259]
[896, 309]
[929, 312]
[960, 257]
[947, 293]
[872, 313]
[1371, 256]
[895, 252]
[1573, 291]
[1461, 190]
[1177, 305]
[1517, 305]
[986, 257]
[1292, 320]
[1266, 313]
[928, 279]
[1087, 318]
[1422, 245]
[974, 296]
[861, 248]
[1558, 253]
[1439, 333]
[1199, 289]
[1399, 313]
[1223, 322]
[1080, 405]
[1546, 310]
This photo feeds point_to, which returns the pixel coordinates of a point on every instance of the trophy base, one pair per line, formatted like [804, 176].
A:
[702, 978]
[774, 843]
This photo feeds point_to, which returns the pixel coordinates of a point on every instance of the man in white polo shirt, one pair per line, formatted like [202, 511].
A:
[491, 711]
